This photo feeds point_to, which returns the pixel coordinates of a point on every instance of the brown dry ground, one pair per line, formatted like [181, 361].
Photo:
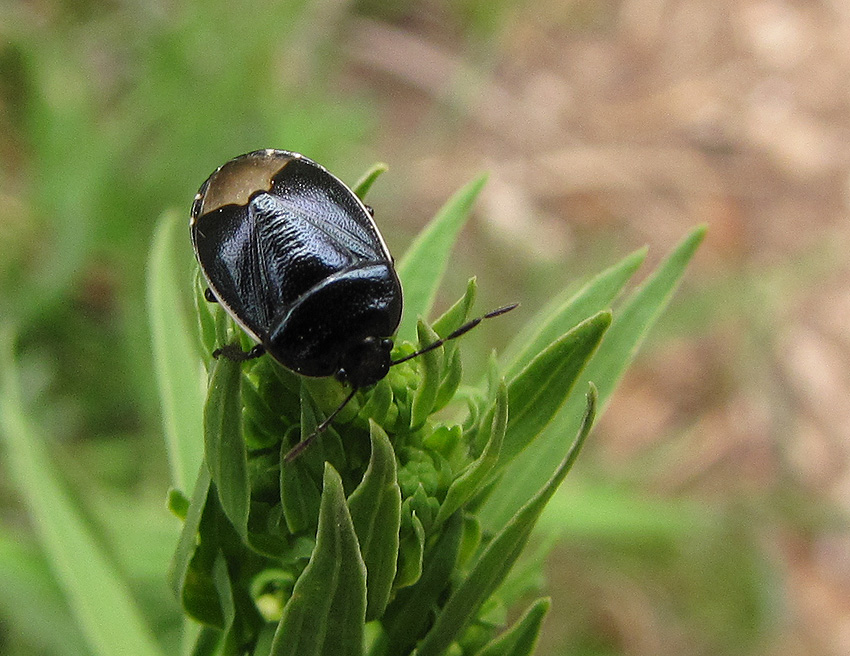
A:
[640, 119]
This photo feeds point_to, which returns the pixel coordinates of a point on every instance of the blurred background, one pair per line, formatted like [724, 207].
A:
[708, 515]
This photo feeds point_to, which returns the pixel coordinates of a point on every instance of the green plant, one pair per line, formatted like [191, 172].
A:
[397, 530]
[367, 544]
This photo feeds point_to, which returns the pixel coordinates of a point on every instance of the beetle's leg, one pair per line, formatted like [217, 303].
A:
[371, 210]
[299, 448]
[208, 294]
[235, 353]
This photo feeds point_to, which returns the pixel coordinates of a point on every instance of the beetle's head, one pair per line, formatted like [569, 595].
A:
[366, 362]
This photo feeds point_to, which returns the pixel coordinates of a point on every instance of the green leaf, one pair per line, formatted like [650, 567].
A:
[378, 404]
[473, 477]
[364, 184]
[454, 317]
[411, 550]
[429, 382]
[326, 613]
[640, 313]
[451, 379]
[221, 581]
[198, 573]
[561, 315]
[375, 507]
[621, 342]
[300, 497]
[521, 638]
[470, 541]
[178, 371]
[188, 541]
[100, 599]
[328, 445]
[226, 454]
[451, 320]
[537, 393]
[423, 265]
[207, 314]
[409, 614]
[500, 554]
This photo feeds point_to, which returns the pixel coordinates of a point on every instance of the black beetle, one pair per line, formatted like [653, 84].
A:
[294, 256]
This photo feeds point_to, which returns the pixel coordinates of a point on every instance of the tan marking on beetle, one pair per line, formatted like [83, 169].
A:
[236, 181]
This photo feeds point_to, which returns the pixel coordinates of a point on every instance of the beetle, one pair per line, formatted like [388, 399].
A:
[293, 255]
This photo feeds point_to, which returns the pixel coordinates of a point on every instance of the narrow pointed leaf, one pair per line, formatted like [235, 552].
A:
[451, 380]
[326, 613]
[500, 555]
[473, 477]
[189, 535]
[300, 498]
[457, 314]
[556, 319]
[221, 581]
[633, 321]
[521, 638]
[423, 265]
[470, 541]
[639, 314]
[378, 405]
[226, 454]
[451, 320]
[429, 382]
[409, 614]
[537, 393]
[108, 616]
[375, 507]
[411, 550]
[178, 371]
[196, 573]
[328, 446]
[206, 313]
[364, 184]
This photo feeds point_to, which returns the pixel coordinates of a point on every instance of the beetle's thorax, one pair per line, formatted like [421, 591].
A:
[366, 362]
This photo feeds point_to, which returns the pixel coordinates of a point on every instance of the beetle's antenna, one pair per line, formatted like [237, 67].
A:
[465, 328]
[296, 451]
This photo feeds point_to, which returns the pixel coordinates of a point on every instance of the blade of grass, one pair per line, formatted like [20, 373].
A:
[423, 265]
[32, 603]
[99, 598]
[178, 372]
[631, 324]
[364, 184]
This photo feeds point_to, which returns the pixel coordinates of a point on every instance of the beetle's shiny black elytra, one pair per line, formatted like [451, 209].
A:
[295, 258]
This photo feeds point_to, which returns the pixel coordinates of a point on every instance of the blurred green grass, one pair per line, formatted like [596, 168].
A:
[113, 113]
